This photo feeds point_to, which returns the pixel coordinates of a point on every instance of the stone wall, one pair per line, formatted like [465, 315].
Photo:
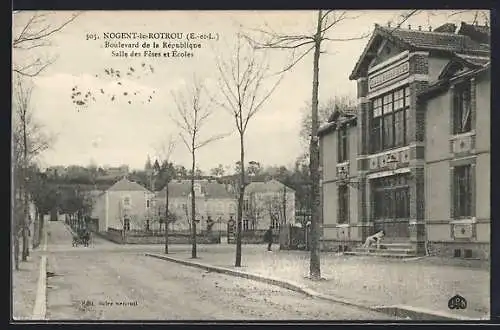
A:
[447, 249]
[115, 235]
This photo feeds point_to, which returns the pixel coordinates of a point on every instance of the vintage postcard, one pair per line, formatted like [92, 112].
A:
[251, 165]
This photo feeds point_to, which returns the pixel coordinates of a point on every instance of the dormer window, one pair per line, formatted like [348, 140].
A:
[462, 108]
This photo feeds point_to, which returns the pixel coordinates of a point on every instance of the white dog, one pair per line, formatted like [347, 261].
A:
[374, 239]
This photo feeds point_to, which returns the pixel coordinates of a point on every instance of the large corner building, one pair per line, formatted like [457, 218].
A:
[414, 160]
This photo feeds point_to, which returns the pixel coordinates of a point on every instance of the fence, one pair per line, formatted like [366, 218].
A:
[294, 238]
[142, 237]
[252, 237]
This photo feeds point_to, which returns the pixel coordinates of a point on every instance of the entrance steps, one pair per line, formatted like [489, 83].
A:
[388, 250]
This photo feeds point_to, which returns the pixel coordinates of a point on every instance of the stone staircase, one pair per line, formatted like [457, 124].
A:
[388, 250]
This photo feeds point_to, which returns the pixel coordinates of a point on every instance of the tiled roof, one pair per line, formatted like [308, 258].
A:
[126, 185]
[268, 186]
[475, 60]
[414, 40]
[182, 188]
[431, 40]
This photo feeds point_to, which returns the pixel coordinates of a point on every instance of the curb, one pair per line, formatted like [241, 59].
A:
[40, 308]
[265, 279]
[422, 314]
[400, 311]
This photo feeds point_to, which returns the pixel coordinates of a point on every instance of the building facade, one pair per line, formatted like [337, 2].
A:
[415, 159]
[268, 204]
[215, 206]
[125, 205]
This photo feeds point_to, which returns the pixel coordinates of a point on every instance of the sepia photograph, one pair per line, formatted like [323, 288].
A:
[250, 165]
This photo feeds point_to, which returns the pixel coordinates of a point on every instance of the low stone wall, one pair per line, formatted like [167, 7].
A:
[116, 236]
[337, 245]
[254, 237]
[447, 249]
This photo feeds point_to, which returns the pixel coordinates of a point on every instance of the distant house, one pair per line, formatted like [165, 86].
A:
[269, 203]
[125, 204]
[214, 204]
[56, 171]
[117, 171]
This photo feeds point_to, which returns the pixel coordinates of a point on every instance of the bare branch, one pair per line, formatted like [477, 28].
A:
[30, 34]
[211, 139]
[36, 32]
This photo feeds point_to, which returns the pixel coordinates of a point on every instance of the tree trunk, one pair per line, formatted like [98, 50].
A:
[36, 236]
[26, 221]
[15, 229]
[314, 266]
[40, 228]
[193, 205]
[239, 218]
[166, 217]
[25, 227]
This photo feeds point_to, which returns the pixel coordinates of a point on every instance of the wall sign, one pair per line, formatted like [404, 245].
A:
[391, 74]
[463, 230]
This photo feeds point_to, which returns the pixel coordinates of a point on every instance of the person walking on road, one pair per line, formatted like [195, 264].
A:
[268, 238]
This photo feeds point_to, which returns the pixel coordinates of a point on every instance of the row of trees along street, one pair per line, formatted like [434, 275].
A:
[30, 31]
[245, 84]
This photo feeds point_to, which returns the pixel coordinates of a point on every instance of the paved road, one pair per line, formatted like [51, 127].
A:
[99, 283]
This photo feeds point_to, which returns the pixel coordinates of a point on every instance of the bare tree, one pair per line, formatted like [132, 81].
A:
[28, 142]
[168, 171]
[305, 43]
[326, 20]
[217, 171]
[325, 110]
[244, 92]
[194, 109]
[32, 31]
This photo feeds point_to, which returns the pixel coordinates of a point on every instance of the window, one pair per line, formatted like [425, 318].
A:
[462, 191]
[126, 201]
[246, 205]
[275, 221]
[343, 204]
[343, 145]
[391, 197]
[126, 224]
[245, 224]
[462, 108]
[147, 203]
[389, 120]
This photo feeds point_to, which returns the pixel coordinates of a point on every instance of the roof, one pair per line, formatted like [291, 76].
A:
[443, 83]
[272, 185]
[126, 185]
[461, 42]
[182, 188]
[460, 61]
[338, 118]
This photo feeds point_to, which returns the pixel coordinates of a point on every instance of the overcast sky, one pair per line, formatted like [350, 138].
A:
[115, 133]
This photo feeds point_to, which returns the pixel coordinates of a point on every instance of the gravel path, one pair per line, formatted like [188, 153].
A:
[158, 290]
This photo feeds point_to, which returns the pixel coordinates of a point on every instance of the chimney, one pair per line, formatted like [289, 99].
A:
[430, 28]
[388, 24]
[420, 27]
[409, 27]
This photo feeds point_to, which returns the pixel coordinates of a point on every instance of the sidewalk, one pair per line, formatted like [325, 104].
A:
[422, 283]
[25, 284]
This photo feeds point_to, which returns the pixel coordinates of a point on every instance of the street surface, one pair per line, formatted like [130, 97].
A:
[114, 282]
